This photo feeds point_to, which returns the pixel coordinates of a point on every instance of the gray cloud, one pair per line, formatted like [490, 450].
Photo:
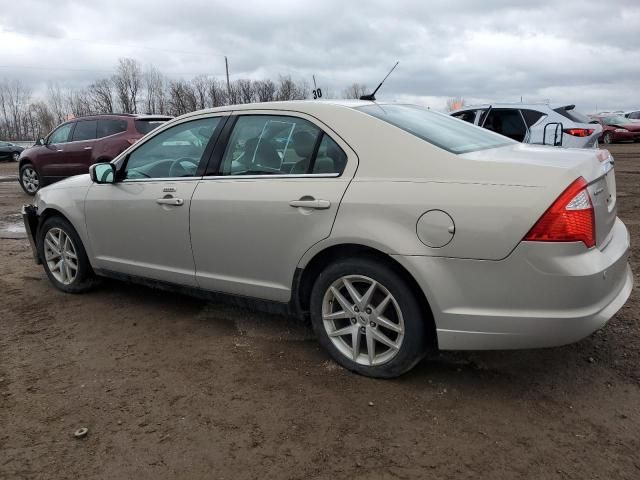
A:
[576, 51]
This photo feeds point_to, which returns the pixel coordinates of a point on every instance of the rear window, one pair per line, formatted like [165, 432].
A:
[570, 113]
[111, 126]
[145, 126]
[440, 130]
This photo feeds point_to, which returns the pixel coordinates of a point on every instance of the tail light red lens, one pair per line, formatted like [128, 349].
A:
[570, 219]
[579, 132]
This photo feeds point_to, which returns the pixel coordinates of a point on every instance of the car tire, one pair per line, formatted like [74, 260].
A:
[15, 156]
[389, 318]
[29, 179]
[63, 256]
[607, 139]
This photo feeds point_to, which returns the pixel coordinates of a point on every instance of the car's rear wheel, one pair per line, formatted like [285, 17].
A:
[64, 257]
[15, 156]
[607, 138]
[29, 179]
[366, 316]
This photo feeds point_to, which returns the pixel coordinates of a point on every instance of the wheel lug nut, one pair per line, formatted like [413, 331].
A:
[362, 329]
[356, 309]
[368, 310]
[373, 324]
[353, 320]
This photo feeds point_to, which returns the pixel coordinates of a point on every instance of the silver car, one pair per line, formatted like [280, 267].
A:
[395, 229]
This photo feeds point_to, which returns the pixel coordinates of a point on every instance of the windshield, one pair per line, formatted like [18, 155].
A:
[448, 133]
[617, 120]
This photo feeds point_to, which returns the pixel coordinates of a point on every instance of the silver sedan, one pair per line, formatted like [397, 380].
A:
[393, 228]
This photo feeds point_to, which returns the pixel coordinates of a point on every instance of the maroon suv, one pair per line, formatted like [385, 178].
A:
[74, 145]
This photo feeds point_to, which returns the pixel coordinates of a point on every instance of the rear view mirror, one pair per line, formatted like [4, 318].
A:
[103, 173]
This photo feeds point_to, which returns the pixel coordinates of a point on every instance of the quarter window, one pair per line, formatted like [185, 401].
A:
[85, 130]
[175, 152]
[270, 145]
[467, 116]
[531, 116]
[61, 135]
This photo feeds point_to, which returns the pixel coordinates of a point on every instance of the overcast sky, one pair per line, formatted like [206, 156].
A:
[585, 52]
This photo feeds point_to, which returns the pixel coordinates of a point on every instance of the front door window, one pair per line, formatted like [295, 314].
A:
[175, 152]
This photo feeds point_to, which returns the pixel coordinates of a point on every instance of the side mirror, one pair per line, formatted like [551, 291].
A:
[103, 173]
[40, 141]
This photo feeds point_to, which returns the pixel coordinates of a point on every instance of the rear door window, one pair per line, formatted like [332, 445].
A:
[507, 122]
[111, 126]
[85, 130]
[270, 145]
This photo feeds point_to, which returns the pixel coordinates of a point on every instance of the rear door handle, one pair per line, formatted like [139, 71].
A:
[176, 202]
[87, 148]
[311, 203]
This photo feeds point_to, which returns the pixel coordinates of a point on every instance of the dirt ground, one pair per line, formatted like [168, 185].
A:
[172, 387]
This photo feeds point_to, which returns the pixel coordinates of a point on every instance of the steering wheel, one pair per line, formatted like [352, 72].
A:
[183, 167]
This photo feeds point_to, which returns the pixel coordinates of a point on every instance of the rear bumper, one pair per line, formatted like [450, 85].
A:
[542, 295]
[30, 218]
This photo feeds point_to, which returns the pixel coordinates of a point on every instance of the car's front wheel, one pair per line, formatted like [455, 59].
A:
[365, 314]
[608, 138]
[29, 179]
[64, 257]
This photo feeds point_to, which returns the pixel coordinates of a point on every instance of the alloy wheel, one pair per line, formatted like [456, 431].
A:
[30, 179]
[607, 138]
[363, 320]
[61, 256]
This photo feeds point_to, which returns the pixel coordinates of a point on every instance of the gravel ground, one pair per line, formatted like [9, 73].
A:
[172, 387]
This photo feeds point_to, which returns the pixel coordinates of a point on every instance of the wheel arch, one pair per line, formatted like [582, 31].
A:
[306, 275]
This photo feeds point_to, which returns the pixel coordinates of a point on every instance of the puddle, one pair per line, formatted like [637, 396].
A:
[11, 226]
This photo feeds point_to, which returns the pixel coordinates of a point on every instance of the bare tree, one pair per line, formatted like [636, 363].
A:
[43, 119]
[217, 93]
[154, 85]
[199, 87]
[355, 90]
[182, 98]
[127, 82]
[100, 95]
[454, 103]
[245, 91]
[265, 90]
[288, 89]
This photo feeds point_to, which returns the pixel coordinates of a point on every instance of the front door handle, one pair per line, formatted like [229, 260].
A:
[311, 203]
[87, 148]
[176, 202]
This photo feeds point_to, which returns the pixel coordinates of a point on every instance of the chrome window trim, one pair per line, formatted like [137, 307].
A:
[228, 177]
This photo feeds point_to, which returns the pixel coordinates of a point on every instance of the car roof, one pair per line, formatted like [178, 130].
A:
[137, 116]
[295, 105]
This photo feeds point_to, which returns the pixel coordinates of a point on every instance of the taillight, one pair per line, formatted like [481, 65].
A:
[578, 132]
[569, 219]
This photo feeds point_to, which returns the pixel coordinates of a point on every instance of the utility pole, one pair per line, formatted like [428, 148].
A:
[226, 65]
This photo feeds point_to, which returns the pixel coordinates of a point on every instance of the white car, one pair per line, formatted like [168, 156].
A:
[543, 124]
[392, 227]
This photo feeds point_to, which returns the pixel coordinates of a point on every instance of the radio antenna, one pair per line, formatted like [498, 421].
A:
[372, 96]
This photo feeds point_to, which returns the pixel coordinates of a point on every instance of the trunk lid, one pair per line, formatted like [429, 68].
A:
[602, 190]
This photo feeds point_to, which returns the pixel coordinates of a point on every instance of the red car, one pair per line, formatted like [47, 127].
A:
[617, 128]
[75, 145]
